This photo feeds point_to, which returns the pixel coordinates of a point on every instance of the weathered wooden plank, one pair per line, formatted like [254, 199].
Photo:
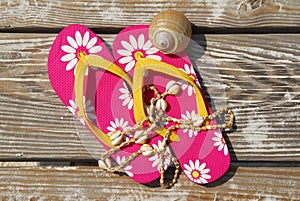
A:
[119, 13]
[258, 75]
[263, 87]
[89, 183]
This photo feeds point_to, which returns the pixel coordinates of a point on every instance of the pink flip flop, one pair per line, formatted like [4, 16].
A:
[100, 99]
[203, 155]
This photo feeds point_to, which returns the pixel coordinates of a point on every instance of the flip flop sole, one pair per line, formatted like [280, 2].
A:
[203, 155]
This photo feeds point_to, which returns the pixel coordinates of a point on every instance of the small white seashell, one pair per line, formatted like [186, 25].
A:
[138, 134]
[141, 140]
[172, 87]
[170, 84]
[161, 104]
[108, 162]
[148, 153]
[116, 132]
[115, 135]
[117, 141]
[147, 150]
[105, 164]
[146, 147]
[102, 164]
[198, 120]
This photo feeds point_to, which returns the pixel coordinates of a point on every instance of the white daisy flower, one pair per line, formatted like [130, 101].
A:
[197, 172]
[126, 168]
[76, 45]
[119, 124]
[156, 157]
[136, 45]
[126, 96]
[190, 116]
[74, 109]
[220, 143]
[89, 110]
[189, 70]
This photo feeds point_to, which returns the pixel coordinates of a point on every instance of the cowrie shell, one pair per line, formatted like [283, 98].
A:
[161, 104]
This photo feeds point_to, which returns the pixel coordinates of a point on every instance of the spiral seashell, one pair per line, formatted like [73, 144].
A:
[170, 31]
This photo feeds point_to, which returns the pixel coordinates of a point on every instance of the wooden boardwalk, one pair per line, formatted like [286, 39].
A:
[249, 58]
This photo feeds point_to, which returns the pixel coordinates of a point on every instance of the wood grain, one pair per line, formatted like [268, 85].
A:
[258, 75]
[116, 14]
[90, 183]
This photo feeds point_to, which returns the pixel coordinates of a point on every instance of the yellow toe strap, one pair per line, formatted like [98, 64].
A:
[144, 64]
[95, 61]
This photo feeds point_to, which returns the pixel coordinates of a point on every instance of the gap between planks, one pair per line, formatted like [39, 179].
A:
[195, 30]
[119, 14]
[94, 163]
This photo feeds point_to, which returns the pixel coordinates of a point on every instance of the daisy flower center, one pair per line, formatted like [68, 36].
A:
[195, 174]
[138, 55]
[223, 140]
[81, 54]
